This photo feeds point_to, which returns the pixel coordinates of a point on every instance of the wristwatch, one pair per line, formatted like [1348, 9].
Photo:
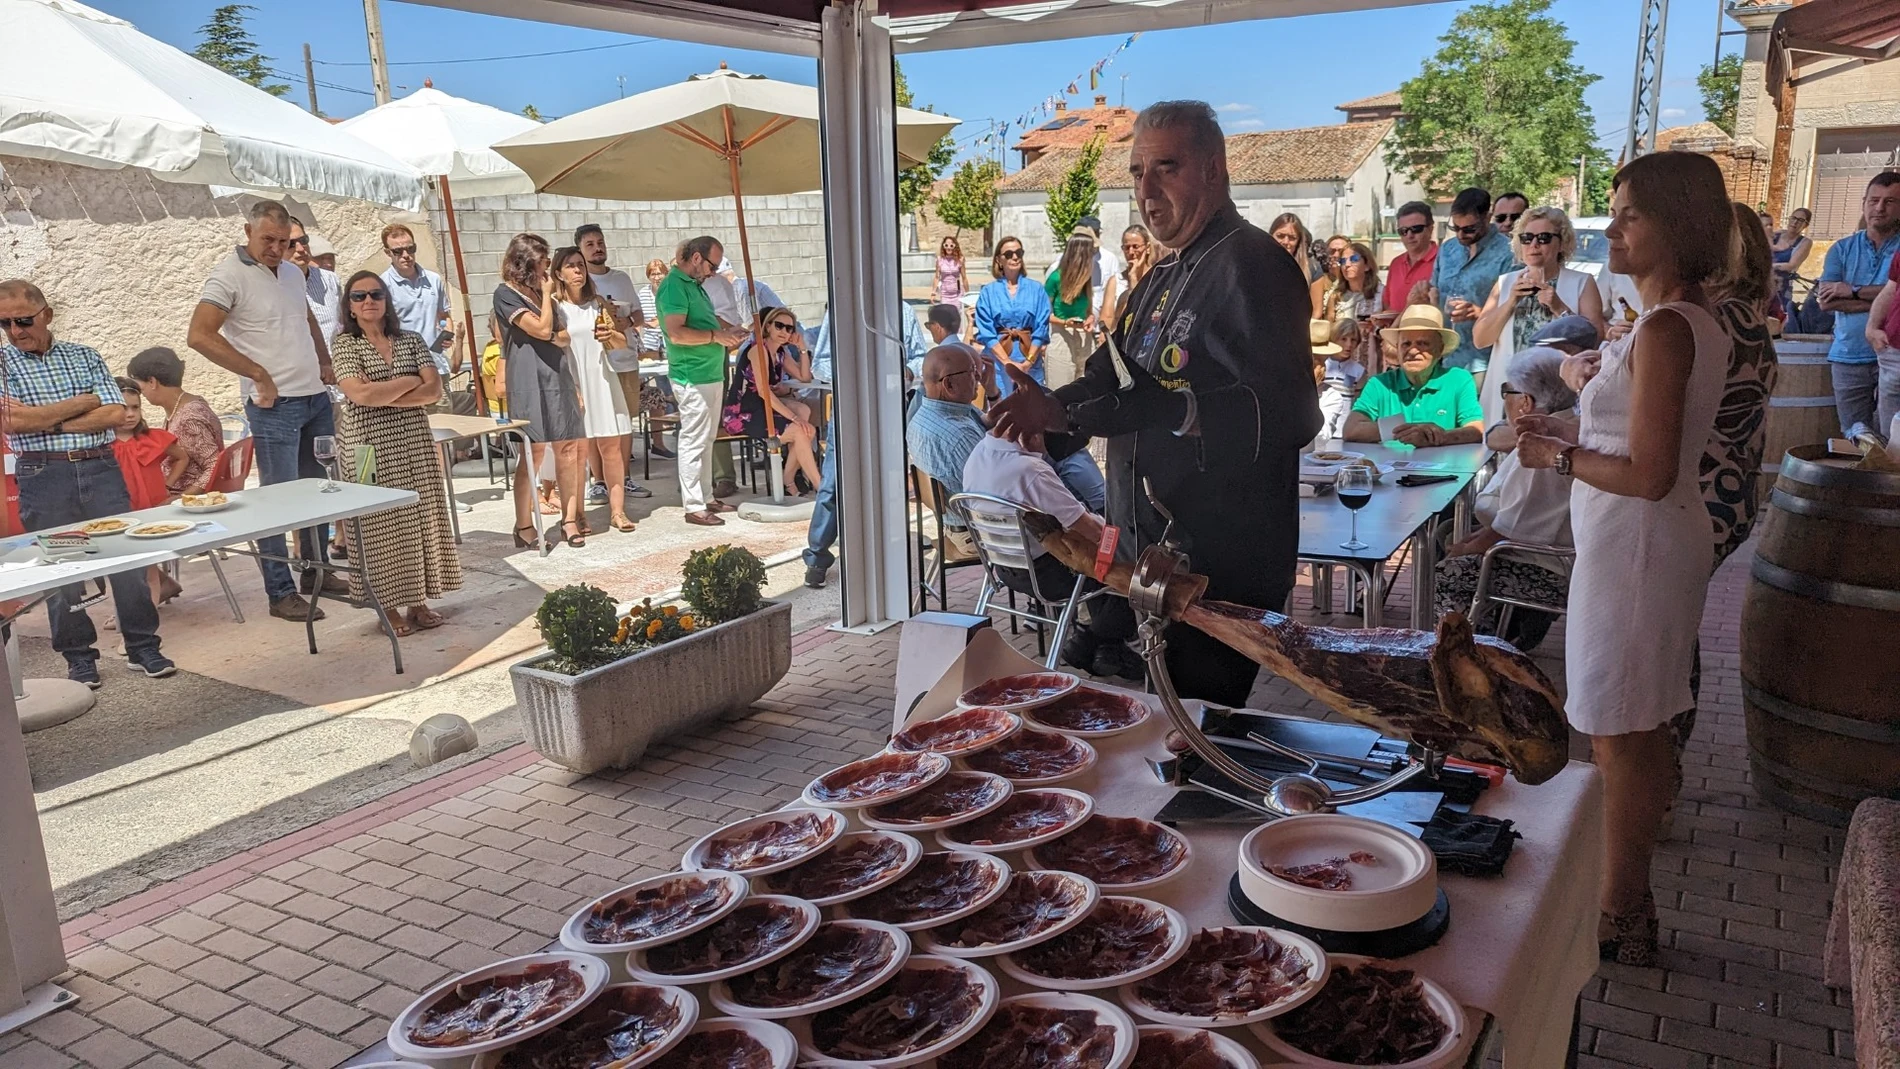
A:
[1563, 459]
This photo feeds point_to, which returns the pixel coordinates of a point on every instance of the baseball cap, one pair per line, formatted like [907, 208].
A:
[1573, 329]
[320, 246]
[1094, 224]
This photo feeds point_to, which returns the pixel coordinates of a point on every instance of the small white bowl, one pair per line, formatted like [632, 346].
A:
[1089, 757]
[720, 993]
[1011, 724]
[1315, 980]
[1091, 894]
[1038, 716]
[695, 856]
[996, 864]
[1178, 933]
[571, 932]
[948, 836]
[1400, 889]
[1126, 1036]
[1235, 1055]
[689, 1015]
[1436, 997]
[593, 971]
[1187, 860]
[637, 960]
[913, 850]
[1051, 685]
[933, 765]
[773, 1037]
[991, 994]
[1002, 790]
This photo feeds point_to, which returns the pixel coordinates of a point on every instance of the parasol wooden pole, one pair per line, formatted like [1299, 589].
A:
[468, 312]
[760, 368]
[1778, 161]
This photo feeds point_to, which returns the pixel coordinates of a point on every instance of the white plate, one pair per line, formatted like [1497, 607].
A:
[206, 508]
[1187, 860]
[912, 851]
[593, 978]
[678, 996]
[1004, 789]
[1235, 1055]
[571, 932]
[1089, 758]
[1126, 1036]
[996, 864]
[1315, 980]
[637, 960]
[1091, 894]
[1437, 997]
[695, 856]
[935, 767]
[1178, 933]
[947, 836]
[1143, 712]
[1336, 458]
[81, 527]
[721, 991]
[186, 528]
[1015, 724]
[973, 696]
[1400, 889]
[810, 1055]
[773, 1037]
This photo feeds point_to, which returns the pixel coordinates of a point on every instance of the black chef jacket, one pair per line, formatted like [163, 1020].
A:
[1227, 319]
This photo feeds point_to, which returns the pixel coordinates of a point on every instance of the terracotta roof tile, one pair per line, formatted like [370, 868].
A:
[1383, 100]
[1073, 128]
[1308, 154]
[1702, 134]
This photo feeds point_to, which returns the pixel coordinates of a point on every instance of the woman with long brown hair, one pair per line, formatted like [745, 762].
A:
[1292, 235]
[1641, 530]
[1071, 316]
[537, 381]
[1356, 292]
[1323, 290]
[605, 414]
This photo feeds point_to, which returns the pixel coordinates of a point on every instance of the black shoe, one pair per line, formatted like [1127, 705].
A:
[292, 607]
[154, 664]
[815, 576]
[332, 583]
[86, 671]
[660, 452]
[1116, 659]
[1079, 651]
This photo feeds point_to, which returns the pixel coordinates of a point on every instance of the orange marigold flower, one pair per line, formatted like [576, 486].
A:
[653, 629]
[686, 623]
[670, 610]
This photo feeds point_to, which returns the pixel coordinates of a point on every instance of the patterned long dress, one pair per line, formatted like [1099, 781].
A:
[409, 551]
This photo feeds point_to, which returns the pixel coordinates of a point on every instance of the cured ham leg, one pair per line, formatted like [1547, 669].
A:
[1458, 693]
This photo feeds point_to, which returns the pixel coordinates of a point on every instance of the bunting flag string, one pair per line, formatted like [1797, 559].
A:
[1034, 116]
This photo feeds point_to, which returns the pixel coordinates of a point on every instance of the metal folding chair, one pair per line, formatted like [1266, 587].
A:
[934, 563]
[1002, 541]
[1508, 548]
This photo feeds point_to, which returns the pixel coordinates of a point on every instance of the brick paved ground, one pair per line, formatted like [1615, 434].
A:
[299, 952]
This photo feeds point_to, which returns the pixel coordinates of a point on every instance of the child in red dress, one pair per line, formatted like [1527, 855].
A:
[142, 453]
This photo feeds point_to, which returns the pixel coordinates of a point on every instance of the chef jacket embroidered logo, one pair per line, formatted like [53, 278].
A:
[1173, 359]
[1178, 329]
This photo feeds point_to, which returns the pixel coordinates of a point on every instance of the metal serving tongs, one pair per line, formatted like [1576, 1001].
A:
[1291, 794]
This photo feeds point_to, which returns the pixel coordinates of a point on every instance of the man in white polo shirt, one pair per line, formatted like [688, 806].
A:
[254, 319]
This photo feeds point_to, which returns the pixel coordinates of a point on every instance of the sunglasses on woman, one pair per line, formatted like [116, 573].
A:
[784, 328]
[1011, 254]
[1528, 238]
[1351, 258]
[359, 296]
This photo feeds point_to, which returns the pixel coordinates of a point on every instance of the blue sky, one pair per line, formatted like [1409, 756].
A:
[1263, 75]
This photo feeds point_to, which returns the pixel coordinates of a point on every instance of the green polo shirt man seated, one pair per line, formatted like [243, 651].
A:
[1439, 404]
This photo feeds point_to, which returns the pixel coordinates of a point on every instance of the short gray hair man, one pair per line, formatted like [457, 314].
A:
[1194, 117]
[1538, 373]
[274, 211]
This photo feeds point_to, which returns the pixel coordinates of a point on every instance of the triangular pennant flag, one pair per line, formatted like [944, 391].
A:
[1095, 78]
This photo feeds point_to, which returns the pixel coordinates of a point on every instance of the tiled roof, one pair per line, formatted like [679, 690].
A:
[1702, 134]
[1383, 100]
[1309, 154]
[1073, 127]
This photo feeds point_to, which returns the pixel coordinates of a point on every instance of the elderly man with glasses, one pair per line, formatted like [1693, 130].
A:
[1466, 271]
[1436, 404]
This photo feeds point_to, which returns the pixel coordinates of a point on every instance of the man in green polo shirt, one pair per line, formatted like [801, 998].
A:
[1438, 404]
[696, 347]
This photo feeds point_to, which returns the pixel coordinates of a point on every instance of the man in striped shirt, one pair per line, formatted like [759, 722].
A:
[59, 405]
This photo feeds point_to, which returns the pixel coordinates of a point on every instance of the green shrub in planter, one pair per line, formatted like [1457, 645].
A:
[722, 583]
[578, 624]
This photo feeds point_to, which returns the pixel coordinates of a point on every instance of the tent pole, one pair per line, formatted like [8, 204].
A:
[468, 312]
[760, 369]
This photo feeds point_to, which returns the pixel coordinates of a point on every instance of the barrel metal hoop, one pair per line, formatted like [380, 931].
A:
[1774, 795]
[1832, 723]
[1860, 597]
[1817, 782]
[1800, 402]
[1827, 510]
[1802, 470]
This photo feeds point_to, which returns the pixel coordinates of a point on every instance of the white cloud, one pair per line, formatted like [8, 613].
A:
[1246, 124]
[1236, 108]
[1674, 113]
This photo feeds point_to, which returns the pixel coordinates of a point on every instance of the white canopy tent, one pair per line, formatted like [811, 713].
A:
[81, 87]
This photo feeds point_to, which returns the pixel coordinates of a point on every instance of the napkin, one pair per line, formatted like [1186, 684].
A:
[1470, 843]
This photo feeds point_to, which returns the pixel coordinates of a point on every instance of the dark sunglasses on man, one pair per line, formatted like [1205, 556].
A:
[1507, 218]
[1469, 231]
[1417, 228]
[401, 250]
[1528, 238]
[359, 296]
[304, 241]
[21, 322]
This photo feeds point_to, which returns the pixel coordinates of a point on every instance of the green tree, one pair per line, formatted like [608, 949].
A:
[913, 183]
[1499, 106]
[531, 112]
[225, 43]
[970, 202]
[1721, 86]
[1596, 182]
[1073, 195]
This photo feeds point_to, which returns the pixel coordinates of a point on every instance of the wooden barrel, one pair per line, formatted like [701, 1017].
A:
[1801, 410]
[1820, 657]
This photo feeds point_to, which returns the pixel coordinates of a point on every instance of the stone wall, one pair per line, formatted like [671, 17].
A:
[787, 237]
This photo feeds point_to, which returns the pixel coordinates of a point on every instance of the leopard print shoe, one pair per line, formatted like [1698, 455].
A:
[1630, 938]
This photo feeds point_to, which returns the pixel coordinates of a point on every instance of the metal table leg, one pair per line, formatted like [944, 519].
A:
[1424, 572]
[448, 475]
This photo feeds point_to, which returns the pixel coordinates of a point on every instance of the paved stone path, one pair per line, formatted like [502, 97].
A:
[298, 952]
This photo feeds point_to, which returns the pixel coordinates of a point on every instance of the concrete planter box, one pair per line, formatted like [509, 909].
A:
[606, 717]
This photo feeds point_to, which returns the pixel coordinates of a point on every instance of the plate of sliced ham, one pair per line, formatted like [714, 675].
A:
[1231, 976]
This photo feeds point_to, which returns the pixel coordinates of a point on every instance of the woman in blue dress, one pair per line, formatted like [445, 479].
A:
[1012, 317]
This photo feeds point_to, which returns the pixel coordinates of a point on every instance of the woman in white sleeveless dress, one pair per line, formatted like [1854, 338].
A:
[1523, 301]
[604, 410]
[1641, 530]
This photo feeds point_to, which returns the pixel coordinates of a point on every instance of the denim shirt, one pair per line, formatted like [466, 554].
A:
[1469, 273]
[1857, 261]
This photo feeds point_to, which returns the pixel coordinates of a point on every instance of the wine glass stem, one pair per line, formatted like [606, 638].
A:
[1355, 525]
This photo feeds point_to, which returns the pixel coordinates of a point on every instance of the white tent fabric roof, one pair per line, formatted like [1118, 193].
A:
[439, 134]
[79, 86]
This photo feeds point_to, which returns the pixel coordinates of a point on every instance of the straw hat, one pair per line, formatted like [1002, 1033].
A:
[1422, 317]
[1320, 333]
